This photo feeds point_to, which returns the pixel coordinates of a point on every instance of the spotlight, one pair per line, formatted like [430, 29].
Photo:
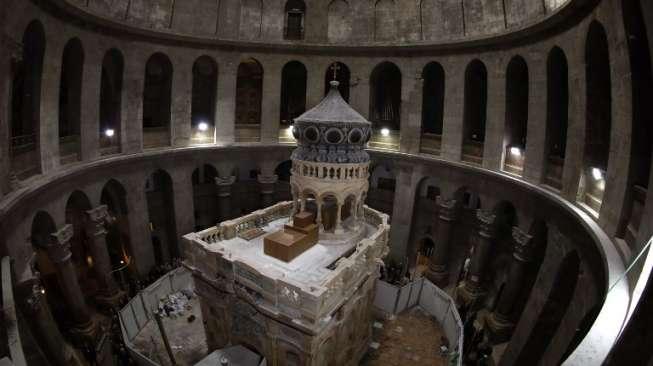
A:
[42, 290]
[290, 130]
[109, 132]
[597, 174]
[122, 262]
[515, 151]
[203, 126]
[385, 132]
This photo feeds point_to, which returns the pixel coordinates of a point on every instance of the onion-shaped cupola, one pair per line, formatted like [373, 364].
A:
[332, 132]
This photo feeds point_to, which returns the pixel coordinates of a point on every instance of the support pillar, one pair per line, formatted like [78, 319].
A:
[501, 321]
[318, 219]
[34, 306]
[224, 196]
[60, 255]
[472, 288]
[438, 271]
[98, 217]
[338, 226]
[267, 186]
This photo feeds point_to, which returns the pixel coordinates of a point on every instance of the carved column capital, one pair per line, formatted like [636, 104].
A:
[267, 179]
[59, 248]
[446, 209]
[224, 185]
[486, 223]
[523, 245]
[97, 218]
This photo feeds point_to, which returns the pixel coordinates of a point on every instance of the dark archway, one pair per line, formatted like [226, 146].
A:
[249, 95]
[70, 101]
[294, 25]
[293, 92]
[516, 124]
[385, 96]
[161, 209]
[111, 99]
[76, 207]
[343, 76]
[557, 115]
[157, 101]
[204, 196]
[598, 116]
[475, 112]
[119, 243]
[433, 98]
[205, 84]
[642, 120]
[26, 103]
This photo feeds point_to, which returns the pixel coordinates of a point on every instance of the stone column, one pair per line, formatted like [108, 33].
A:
[226, 102]
[60, 255]
[224, 196]
[501, 320]
[271, 103]
[318, 219]
[182, 91]
[411, 111]
[48, 131]
[267, 187]
[454, 105]
[472, 288]
[338, 226]
[438, 271]
[34, 306]
[140, 234]
[97, 235]
[131, 115]
[402, 212]
[535, 160]
[496, 115]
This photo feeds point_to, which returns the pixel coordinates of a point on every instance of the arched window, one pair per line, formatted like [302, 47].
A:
[70, 101]
[157, 94]
[557, 111]
[111, 101]
[161, 212]
[432, 98]
[516, 115]
[598, 116]
[385, 96]
[475, 112]
[26, 103]
[343, 76]
[293, 92]
[339, 21]
[294, 28]
[249, 94]
[205, 84]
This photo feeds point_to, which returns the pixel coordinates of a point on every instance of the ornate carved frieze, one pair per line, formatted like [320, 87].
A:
[486, 223]
[98, 217]
[446, 209]
[59, 248]
[224, 185]
[523, 245]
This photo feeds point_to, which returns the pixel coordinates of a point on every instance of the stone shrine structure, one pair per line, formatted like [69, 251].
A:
[312, 307]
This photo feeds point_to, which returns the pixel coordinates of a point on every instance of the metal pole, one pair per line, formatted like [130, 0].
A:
[162, 330]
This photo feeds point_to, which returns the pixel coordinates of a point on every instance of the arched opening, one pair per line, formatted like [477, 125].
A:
[205, 84]
[381, 193]
[26, 104]
[426, 248]
[161, 210]
[205, 196]
[514, 139]
[598, 118]
[384, 20]
[329, 212]
[557, 116]
[385, 105]
[553, 311]
[432, 108]
[475, 112]
[157, 94]
[293, 92]
[114, 196]
[70, 101]
[294, 29]
[348, 208]
[642, 131]
[283, 172]
[249, 94]
[343, 77]
[339, 21]
[111, 102]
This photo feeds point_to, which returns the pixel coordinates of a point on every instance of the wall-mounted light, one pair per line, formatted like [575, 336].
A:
[290, 129]
[597, 174]
[203, 126]
[43, 290]
[515, 151]
[385, 132]
[109, 132]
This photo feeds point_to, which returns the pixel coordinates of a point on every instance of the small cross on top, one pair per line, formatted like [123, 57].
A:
[335, 67]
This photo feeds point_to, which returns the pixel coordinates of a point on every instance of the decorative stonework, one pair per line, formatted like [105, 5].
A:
[524, 245]
[59, 248]
[447, 209]
[98, 217]
[486, 223]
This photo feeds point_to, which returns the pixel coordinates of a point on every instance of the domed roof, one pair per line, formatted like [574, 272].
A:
[332, 109]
